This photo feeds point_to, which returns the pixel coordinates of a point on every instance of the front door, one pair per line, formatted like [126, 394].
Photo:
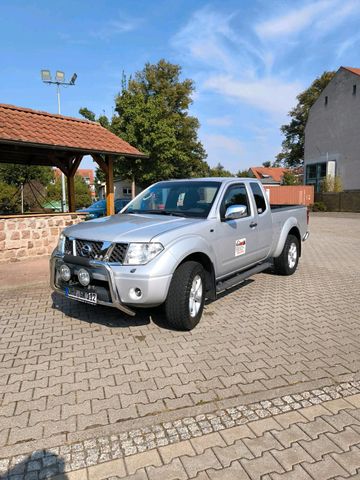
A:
[236, 240]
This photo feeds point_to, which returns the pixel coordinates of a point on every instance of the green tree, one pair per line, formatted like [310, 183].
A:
[267, 164]
[152, 114]
[82, 192]
[9, 198]
[243, 173]
[289, 178]
[219, 171]
[18, 174]
[292, 154]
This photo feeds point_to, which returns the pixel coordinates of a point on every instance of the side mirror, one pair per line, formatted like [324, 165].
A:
[235, 211]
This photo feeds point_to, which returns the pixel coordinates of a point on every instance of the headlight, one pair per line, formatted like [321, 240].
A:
[61, 243]
[84, 277]
[65, 272]
[142, 253]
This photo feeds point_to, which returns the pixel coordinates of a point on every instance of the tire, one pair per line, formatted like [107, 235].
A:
[183, 308]
[287, 262]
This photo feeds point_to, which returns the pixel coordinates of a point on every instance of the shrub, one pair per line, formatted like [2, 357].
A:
[318, 207]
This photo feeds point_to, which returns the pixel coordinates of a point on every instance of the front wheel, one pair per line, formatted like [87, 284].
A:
[287, 262]
[186, 297]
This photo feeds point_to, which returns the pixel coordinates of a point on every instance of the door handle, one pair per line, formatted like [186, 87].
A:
[253, 225]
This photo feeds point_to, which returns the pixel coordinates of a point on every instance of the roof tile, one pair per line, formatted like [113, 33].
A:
[19, 124]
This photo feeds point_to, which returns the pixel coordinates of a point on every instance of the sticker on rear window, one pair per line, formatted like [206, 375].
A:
[240, 246]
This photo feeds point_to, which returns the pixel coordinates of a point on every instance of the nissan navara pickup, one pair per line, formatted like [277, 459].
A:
[176, 244]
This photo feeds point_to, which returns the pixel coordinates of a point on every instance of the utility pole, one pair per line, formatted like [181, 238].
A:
[59, 81]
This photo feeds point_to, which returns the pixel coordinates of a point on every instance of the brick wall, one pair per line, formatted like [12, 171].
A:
[26, 236]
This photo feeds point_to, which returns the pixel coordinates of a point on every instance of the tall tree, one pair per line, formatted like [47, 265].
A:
[82, 192]
[219, 171]
[243, 173]
[292, 154]
[152, 114]
[18, 174]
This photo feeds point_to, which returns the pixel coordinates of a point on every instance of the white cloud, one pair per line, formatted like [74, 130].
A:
[293, 21]
[224, 121]
[204, 38]
[223, 149]
[234, 67]
[318, 18]
[269, 94]
[345, 45]
[117, 27]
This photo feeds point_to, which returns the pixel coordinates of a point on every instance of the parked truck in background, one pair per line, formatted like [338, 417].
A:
[178, 243]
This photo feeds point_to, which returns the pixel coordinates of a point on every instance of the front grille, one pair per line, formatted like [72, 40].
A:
[68, 246]
[118, 253]
[94, 249]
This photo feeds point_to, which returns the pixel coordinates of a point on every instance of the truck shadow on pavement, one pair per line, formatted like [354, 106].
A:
[107, 316]
[113, 318]
[40, 464]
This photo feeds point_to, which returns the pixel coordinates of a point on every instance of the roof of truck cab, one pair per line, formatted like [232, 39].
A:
[211, 179]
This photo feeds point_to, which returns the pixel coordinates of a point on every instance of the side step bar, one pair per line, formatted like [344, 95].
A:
[240, 277]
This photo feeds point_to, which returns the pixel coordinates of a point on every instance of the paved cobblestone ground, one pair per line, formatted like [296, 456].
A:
[71, 372]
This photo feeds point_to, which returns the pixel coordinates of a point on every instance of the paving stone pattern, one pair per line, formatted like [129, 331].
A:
[174, 435]
[70, 372]
[320, 441]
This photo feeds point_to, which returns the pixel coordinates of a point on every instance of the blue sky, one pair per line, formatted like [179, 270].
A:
[249, 59]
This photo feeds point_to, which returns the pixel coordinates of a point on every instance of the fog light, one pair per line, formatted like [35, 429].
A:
[135, 293]
[65, 273]
[84, 277]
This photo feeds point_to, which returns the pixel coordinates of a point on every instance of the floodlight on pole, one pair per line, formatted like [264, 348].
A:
[59, 81]
[60, 76]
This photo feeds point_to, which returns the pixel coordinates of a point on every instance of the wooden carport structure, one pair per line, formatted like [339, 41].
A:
[32, 137]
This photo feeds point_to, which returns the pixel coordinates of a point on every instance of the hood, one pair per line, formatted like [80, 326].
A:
[127, 227]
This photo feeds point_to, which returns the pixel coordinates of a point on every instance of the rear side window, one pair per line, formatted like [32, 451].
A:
[259, 197]
[235, 195]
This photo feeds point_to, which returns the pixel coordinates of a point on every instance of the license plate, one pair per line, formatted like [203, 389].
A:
[87, 297]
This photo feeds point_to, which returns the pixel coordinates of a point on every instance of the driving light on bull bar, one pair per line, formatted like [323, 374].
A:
[84, 277]
[65, 273]
[142, 253]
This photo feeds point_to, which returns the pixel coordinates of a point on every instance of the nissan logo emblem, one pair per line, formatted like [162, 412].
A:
[86, 250]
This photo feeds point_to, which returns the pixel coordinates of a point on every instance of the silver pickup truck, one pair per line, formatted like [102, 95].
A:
[178, 243]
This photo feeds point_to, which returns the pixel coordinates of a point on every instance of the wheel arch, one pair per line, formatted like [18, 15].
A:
[290, 227]
[296, 232]
[208, 266]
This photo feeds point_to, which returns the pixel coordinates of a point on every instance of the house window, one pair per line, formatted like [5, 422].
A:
[315, 173]
[326, 100]
[126, 191]
[354, 89]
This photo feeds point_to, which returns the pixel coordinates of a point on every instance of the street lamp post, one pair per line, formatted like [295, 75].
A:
[59, 81]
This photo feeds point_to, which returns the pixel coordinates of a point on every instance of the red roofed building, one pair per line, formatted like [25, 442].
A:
[88, 176]
[268, 175]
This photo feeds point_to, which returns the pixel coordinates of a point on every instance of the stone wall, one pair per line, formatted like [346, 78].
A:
[29, 236]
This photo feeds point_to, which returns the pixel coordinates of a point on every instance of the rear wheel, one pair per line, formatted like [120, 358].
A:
[185, 301]
[287, 262]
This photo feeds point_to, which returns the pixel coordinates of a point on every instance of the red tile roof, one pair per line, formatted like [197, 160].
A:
[264, 172]
[23, 125]
[353, 70]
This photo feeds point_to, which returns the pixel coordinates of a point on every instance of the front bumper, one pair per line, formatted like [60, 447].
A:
[118, 282]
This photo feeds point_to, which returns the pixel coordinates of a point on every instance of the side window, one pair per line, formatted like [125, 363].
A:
[235, 195]
[259, 197]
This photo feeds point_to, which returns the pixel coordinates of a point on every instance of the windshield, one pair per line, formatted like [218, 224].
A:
[185, 199]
